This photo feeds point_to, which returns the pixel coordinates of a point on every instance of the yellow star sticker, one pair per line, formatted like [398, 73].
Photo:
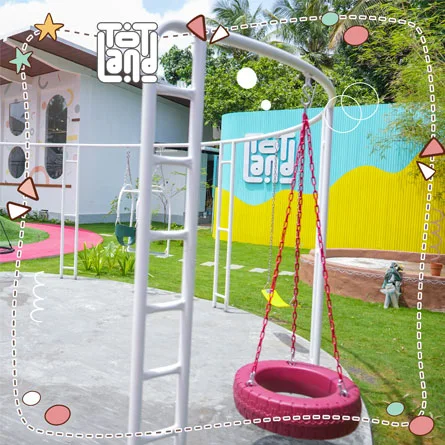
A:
[49, 27]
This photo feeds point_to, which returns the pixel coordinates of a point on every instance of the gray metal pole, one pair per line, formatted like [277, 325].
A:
[318, 282]
[196, 121]
[148, 127]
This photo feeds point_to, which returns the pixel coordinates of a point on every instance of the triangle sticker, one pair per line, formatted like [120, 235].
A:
[16, 211]
[426, 171]
[28, 188]
[197, 26]
[432, 148]
[220, 34]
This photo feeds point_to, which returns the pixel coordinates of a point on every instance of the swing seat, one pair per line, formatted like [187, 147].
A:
[121, 231]
[325, 415]
[4, 250]
[275, 300]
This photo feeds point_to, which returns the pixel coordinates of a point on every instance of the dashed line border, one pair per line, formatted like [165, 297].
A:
[375, 421]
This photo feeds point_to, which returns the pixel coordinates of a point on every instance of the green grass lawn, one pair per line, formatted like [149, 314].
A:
[378, 347]
[13, 229]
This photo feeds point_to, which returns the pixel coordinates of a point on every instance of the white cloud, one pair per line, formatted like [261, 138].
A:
[83, 16]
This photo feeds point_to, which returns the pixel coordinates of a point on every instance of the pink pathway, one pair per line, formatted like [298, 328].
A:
[51, 246]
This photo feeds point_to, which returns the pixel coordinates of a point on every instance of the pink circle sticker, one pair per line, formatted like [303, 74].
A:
[57, 415]
[421, 425]
[356, 35]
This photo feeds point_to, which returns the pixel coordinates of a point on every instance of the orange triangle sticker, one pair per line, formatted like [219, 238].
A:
[197, 26]
[432, 148]
[28, 188]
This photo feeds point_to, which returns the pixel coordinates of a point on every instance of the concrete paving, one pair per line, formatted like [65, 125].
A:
[79, 356]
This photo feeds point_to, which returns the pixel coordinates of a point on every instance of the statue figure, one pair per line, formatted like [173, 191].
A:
[391, 285]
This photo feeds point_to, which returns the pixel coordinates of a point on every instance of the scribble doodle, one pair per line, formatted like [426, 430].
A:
[436, 232]
[37, 298]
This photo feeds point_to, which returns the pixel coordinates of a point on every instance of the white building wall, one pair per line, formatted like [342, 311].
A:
[42, 89]
[97, 113]
[111, 114]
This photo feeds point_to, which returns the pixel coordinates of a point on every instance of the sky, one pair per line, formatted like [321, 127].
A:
[83, 15]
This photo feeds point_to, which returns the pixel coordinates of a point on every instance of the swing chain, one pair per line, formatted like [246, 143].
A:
[272, 224]
[305, 134]
[278, 260]
[308, 93]
[294, 302]
[327, 288]
[127, 176]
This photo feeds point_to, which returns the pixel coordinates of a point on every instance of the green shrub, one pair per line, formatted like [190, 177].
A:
[98, 258]
[126, 261]
[85, 257]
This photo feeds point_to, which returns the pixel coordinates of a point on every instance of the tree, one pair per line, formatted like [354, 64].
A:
[394, 60]
[238, 12]
[310, 38]
[177, 65]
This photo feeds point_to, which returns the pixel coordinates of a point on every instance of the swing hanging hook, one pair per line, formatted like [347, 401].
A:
[308, 93]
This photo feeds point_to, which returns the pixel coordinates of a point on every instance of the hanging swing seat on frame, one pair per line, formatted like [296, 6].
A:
[121, 231]
[274, 298]
[293, 399]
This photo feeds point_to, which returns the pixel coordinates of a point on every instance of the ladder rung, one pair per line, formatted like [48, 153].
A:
[69, 267]
[179, 161]
[162, 371]
[158, 235]
[71, 161]
[170, 90]
[70, 215]
[163, 307]
[223, 229]
[226, 162]
[220, 295]
[161, 434]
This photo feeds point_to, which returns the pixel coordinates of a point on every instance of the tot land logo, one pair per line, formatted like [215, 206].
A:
[127, 52]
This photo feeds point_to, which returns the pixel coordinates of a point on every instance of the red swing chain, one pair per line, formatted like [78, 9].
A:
[300, 161]
[280, 248]
[299, 166]
[327, 288]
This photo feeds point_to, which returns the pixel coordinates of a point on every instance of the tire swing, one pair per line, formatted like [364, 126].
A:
[334, 400]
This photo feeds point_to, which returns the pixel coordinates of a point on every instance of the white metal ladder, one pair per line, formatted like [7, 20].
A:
[218, 229]
[148, 160]
[74, 215]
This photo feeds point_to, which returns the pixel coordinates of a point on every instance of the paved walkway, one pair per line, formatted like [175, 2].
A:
[51, 246]
[79, 356]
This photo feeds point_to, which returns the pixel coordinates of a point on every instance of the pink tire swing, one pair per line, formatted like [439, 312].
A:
[334, 405]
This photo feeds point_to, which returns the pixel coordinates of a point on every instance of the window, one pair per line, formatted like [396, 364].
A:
[56, 128]
[17, 118]
[16, 162]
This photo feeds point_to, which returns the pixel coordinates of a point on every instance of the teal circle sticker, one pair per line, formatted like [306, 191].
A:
[395, 409]
[330, 18]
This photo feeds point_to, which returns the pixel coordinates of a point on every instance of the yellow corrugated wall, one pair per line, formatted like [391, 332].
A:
[368, 208]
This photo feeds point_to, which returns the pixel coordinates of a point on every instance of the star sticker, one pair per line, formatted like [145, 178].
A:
[21, 59]
[49, 27]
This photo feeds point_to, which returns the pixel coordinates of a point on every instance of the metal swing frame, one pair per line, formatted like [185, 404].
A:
[148, 160]
[129, 189]
[227, 160]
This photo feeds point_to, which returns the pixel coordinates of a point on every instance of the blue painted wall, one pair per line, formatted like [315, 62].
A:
[349, 150]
